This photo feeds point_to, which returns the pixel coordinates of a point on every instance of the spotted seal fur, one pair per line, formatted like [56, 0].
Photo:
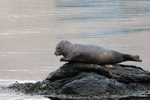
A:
[93, 54]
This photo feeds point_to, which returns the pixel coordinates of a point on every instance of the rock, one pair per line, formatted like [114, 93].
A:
[122, 73]
[92, 83]
[79, 78]
[86, 81]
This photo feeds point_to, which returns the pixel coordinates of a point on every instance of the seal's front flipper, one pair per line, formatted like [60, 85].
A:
[70, 57]
[63, 59]
[128, 57]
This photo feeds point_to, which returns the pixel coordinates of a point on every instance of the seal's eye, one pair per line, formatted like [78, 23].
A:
[58, 47]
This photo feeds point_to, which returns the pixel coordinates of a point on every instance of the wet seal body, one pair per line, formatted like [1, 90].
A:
[93, 54]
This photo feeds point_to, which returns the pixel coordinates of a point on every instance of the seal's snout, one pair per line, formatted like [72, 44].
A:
[56, 53]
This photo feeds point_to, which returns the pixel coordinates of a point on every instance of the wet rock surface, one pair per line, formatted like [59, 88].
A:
[89, 81]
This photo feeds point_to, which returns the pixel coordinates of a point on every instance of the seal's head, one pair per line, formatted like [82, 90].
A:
[61, 48]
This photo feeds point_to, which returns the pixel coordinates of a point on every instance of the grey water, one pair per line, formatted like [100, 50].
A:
[30, 30]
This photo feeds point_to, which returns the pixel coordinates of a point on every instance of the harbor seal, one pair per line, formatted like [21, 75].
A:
[92, 54]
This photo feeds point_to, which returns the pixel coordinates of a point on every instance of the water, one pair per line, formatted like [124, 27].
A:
[30, 30]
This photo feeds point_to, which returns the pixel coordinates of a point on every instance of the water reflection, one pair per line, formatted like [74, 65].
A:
[90, 9]
[103, 19]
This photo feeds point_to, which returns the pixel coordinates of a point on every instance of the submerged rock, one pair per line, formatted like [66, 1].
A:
[79, 81]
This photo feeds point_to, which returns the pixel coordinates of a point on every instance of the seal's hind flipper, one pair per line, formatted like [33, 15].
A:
[137, 58]
[128, 57]
[71, 56]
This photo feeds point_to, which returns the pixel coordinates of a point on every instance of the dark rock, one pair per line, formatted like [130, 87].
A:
[93, 83]
[121, 73]
[88, 81]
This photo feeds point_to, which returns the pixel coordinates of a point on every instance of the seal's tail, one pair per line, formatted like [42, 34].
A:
[128, 57]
